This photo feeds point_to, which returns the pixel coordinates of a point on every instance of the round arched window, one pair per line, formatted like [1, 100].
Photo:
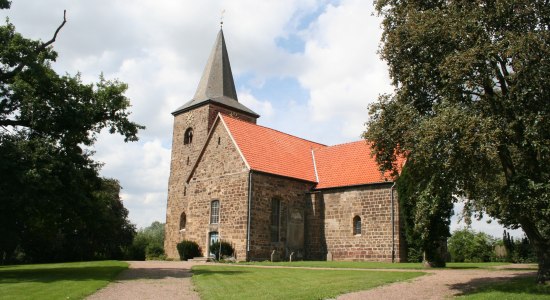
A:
[188, 136]
[357, 225]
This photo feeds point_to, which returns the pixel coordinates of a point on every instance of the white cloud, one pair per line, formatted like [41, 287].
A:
[263, 108]
[343, 71]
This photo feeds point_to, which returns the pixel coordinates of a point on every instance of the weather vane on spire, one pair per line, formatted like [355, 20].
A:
[221, 18]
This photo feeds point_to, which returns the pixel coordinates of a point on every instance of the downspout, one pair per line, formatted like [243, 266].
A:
[249, 216]
[392, 225]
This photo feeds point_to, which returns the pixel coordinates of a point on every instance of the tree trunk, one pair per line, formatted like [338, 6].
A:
[542, 248]
[544, 265]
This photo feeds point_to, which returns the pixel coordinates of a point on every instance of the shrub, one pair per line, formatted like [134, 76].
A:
[188, 250]
[154, 251]
[226, 249]
[414, 255]
[136, 251]
[148, 237]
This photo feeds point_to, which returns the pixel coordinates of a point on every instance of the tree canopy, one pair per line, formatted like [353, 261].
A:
[53, 203]
[471, 107]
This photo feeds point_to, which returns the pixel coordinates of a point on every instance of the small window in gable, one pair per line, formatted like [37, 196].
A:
[356, 225]
[183, 221]
[188, 136]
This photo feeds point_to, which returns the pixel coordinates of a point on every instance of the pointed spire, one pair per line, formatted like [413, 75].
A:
[217, 79]
[216, 84]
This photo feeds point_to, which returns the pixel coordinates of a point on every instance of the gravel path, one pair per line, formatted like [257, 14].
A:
[439, 284]
[151, 280]
[172, 280]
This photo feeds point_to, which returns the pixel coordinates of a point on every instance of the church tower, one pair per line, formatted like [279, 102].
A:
[215, 94]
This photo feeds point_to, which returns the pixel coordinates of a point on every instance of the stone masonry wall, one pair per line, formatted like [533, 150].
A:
[316, 246]
[373, 205]
[222, 175]
[292, 195]
[183, 159]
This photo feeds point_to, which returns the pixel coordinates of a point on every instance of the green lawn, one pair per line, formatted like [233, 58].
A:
[372, 265]
[57, 281]
[519, 288]
[234, 282]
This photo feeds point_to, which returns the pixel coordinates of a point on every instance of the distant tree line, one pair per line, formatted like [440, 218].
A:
[467, 245]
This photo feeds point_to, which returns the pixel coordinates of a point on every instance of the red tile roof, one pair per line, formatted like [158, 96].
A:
[346, 165]
[271, 151]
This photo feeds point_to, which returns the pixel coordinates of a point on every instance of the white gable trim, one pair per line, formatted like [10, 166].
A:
[234, 142]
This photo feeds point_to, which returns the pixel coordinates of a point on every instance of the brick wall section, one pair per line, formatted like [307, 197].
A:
[373, 204]
[200, 119]
[292, 194]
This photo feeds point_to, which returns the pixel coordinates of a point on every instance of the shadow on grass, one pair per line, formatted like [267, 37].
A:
[154, 273]
[48, 275]
[461, 268]
[217, 272]
[520, 283]
[84, 273]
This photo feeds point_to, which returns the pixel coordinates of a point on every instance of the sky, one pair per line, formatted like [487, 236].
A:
[308, 67]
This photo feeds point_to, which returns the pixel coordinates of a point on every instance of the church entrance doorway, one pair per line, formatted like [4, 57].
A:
[213, 237]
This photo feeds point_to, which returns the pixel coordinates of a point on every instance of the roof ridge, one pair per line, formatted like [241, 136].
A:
[348, 143]
[287, 134]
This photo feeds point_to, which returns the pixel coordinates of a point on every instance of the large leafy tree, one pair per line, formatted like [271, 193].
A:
[53, 203]
[471, 108]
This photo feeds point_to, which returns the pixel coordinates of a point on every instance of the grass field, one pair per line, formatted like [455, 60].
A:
[234, 282]
[57, 281]
[520, 288]
[373, 265]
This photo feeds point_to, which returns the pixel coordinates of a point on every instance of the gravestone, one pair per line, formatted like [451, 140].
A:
[275, 256]
[295, 232]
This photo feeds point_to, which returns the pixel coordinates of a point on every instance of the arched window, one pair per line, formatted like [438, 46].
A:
[215, 212]
[183, 221]
[356, 225]
[275, 219]
[188, 136]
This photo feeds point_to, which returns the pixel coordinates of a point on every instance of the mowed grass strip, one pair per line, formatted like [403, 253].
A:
[233, 282]
[373, 265]
[518, 288]
[57, 281]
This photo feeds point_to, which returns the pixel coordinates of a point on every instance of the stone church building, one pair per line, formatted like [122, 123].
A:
[268, 192]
